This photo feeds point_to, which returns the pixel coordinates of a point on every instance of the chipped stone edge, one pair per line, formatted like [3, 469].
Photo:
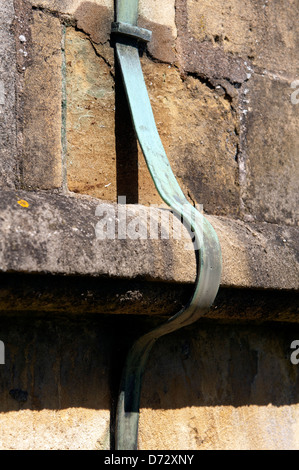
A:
[55, 233]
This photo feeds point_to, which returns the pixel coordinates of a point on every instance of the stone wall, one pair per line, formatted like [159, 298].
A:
[225, 69]
[223, 82]
[207, 387]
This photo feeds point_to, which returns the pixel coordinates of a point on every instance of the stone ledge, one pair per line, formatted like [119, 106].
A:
[56, 234]
[47, 295]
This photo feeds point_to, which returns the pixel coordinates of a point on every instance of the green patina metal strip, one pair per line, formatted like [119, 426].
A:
[127, 11]
[206, 242]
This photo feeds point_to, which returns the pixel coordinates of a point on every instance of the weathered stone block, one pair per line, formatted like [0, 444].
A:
[8, 147]
[222, 102]
[263, 32]
[271, 160]
[66, 235]
[198, 129]
[40, 98]
[221, 387]
[59, 401]
[250, 48]
[89, 119]
[276, 37]
[159, 17]
[205, 387]
[198, 52]
[202, 153]
[95, 17]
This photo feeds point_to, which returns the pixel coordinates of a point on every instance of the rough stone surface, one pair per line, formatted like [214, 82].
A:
[198, 52]
[159, 17]
[40, 98]
[225, 69]
[70, 229]
[259, 251]
[215, 386]
[222, 81]
[250, 50]
[263, 33]
[70, 235]
[102, 155]
[95, 17]
[8, 145]
[271, 161]
[91, 166]
[221, 388]
[61, 400]
[202, 154]
[74, 428]
[21, 294]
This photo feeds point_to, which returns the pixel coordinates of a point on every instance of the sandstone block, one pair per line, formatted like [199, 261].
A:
[241, 391]
[95, 17]
[40, 102]
[263, 32]
[202, 153]
[198, 129]
[65, 235]
[8, 138]
[271, 160]
[89, 119]
[59, 401]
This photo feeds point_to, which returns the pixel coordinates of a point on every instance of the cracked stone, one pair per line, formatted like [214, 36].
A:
[202, 154]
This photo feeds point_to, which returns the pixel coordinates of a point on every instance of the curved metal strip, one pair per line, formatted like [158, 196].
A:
[205, 239]
[162, 174]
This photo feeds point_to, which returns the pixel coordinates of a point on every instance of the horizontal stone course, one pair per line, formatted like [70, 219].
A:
[52, 233]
